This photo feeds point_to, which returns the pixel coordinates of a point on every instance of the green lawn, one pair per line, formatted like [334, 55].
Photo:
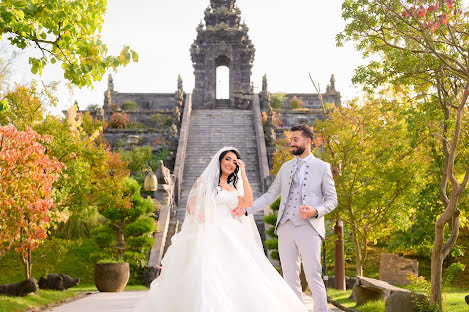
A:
[44, 297]
[453, 300]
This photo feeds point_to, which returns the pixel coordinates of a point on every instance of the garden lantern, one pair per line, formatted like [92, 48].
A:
[150, 183]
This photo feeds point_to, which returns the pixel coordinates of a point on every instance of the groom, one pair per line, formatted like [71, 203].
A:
[307, 192]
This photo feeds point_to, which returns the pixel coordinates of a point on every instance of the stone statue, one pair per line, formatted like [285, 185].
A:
[110, 83]
[164, 193]
[163, 174]
[180, 83]
[177, 115]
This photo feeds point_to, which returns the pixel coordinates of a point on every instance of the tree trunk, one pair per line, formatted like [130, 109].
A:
[440, 251]
[26, 259]
[120, 244]
[358, 256]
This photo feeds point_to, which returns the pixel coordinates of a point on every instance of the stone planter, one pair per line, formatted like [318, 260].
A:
[111, 277]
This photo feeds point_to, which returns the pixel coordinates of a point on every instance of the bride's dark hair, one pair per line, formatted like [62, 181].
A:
[234, 176]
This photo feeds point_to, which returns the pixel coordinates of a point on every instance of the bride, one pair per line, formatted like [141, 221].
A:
[216, 263]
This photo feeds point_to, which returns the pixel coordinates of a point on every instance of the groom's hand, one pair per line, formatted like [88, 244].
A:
[238, 211]
[308, 212]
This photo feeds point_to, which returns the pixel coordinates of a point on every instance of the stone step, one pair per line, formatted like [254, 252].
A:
[211, 130]
[174, 227]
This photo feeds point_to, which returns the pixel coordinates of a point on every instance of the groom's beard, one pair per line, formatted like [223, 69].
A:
[299, 150]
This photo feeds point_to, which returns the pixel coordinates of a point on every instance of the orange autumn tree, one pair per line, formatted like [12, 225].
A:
[26, 178]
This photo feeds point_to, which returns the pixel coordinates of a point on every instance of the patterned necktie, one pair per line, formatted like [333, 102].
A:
[296, 176]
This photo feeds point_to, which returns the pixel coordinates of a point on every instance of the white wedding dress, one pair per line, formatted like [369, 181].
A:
[219, 267]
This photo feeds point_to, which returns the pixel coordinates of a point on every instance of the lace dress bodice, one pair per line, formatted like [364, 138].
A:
[226, 201]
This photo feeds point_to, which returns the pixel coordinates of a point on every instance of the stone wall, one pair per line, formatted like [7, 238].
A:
[294, 117]
[147, 118]
[147, 101]
[311, 100]
[394, 269]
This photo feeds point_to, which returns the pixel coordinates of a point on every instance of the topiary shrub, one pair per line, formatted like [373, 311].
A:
[272, 243]
[129, 105]
[127, 231]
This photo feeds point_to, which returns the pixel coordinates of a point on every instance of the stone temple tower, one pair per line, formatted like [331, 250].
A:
[222, 41]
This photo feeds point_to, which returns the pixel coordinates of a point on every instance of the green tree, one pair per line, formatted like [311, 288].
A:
[65, 31]
[3, 106]
[422, 44]
[375, 170]
[76, 144]
[27, 105]
[128, 224]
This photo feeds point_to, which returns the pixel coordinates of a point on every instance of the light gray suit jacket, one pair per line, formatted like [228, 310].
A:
[318, 191]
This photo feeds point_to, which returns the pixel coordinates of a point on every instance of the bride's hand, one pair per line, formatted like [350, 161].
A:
[242, 167]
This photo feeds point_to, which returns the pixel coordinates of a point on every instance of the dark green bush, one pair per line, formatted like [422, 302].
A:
[133, 224]
[161, 121]
[277, 100]
[129, 105]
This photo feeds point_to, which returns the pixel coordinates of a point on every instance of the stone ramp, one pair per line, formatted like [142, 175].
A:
[125, 302]
[211, 130]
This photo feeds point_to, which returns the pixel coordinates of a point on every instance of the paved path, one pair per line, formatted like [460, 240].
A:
[120, 302]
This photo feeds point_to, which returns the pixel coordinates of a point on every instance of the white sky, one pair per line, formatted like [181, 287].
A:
[291, 39]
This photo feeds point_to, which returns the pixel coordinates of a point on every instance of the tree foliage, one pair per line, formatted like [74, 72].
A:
[26, 191]
[376, 169]
[129, 224]
[27, 104]
[64, 31]
[77, 145]
[423, 44]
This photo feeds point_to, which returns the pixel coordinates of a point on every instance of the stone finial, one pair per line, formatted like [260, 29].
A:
[332, 85]
[264, 84]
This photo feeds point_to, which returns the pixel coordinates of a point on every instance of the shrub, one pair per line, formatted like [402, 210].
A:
[277, 100]
[92, 107]
[161, 121]
[295, 103]
[138, 157]
[271, 219]
[127, 231]
[452, 271]
[129, 105]
[119, 121]
[136, 125]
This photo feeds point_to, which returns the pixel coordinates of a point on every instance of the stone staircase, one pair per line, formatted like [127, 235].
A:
[174, 227]
[209, 131]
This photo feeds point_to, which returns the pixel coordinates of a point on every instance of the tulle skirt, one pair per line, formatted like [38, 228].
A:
[218, 268]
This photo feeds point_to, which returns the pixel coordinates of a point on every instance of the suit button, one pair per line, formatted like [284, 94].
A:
[304, 184]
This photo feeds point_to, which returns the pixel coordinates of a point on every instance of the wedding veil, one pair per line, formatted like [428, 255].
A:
[201, 203]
